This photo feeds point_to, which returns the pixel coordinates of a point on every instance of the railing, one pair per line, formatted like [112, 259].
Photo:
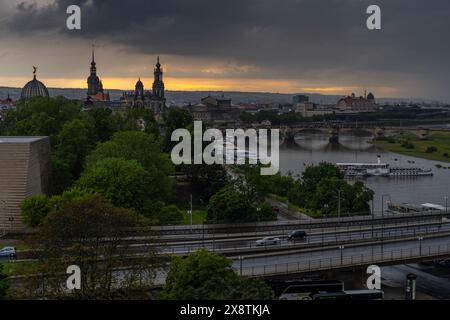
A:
[346, 261]
[299, 223]
[324, 239]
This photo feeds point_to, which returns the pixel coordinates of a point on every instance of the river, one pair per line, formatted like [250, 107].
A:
[313, 148]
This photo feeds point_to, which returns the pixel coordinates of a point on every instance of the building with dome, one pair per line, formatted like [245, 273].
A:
[154, 99]
[34, 88]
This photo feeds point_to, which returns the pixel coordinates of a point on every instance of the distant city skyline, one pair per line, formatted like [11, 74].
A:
[247, 46]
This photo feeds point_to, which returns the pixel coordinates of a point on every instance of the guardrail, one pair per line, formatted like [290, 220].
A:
[365, 237]
[291, 224]
[349, 261]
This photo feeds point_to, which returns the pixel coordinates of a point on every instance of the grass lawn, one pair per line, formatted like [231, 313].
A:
[439, 140]
[197, 217]
[18, 268]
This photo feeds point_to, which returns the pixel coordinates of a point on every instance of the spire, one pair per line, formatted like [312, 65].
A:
[158, 65]
[93, 53]
[34, 72]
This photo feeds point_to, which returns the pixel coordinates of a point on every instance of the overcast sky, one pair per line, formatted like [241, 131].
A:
[245, 45]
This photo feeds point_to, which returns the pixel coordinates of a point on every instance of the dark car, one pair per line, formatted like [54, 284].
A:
[297, 235]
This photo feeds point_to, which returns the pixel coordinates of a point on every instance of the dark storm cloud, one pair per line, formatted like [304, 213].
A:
[288, 37]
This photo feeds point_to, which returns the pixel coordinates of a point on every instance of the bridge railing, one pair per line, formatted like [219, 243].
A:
[344, 260]
[326, 238]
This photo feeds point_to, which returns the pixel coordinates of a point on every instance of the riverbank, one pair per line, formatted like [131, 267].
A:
[435, 146]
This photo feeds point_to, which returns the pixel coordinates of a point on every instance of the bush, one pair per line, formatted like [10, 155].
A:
[34, 209]
[408, 145]
[170, 215]
[431, 149]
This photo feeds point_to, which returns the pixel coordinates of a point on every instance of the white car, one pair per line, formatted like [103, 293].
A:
[267, 241]
[8, 252]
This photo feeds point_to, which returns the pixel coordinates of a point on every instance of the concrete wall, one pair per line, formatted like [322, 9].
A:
[24, 171]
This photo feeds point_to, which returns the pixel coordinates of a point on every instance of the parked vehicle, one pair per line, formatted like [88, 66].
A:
[267, 241]
[297, 235]
[8, 252]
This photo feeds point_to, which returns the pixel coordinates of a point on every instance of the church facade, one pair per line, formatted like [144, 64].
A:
[154, 99]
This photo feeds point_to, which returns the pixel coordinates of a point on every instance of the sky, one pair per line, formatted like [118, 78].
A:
[285, 46]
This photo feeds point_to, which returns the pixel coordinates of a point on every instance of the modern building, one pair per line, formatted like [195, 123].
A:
[95, 93]
[299, 98]
[24, 171]
[309, 109]
[216, 111]
[357, 104]
[34, 88]
[154, 100]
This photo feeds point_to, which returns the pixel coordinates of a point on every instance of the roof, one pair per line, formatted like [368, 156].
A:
[7, 139]
[433, 206]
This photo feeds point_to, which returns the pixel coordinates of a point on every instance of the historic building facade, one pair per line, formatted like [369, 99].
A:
[216, 111]
[358, 104]
[154, 99]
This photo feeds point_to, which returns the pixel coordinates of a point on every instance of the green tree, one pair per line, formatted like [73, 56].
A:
[4, 285]
[125, 183]
[353, 198]
[73, 143]
[89, 233]
[175, 118]
[134, 145]
[205, 180]
[229, 205]
[34, 209]
[41, 116]
[207, 276]
[170, 215]
[104, 122]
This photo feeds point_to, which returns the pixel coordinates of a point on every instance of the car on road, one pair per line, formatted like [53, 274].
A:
[8, 252]
[297, 235]
[267, 241]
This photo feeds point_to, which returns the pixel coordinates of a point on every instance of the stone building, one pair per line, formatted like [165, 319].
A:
[357, 104]
[216, 111]
[24, 171]
[154, 99]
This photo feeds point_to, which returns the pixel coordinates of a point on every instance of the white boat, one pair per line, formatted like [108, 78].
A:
[370, 169]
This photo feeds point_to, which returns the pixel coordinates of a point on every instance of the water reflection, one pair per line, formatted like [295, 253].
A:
[313, 148]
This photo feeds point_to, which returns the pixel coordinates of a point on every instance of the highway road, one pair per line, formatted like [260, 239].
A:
[314, 238]
[342, 256]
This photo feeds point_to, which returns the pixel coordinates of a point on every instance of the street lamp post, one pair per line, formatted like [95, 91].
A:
[339, 203]
[241, 258]
[382, 222]
[190, 213]
[420, 245]
[446, 204]
[341, 248]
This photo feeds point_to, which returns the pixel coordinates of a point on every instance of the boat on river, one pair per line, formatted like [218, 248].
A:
[380, 169]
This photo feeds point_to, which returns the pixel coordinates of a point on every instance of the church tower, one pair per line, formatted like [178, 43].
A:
[94, 84]
[158, 84]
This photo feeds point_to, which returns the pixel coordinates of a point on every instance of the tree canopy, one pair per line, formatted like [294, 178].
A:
[207, 276]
